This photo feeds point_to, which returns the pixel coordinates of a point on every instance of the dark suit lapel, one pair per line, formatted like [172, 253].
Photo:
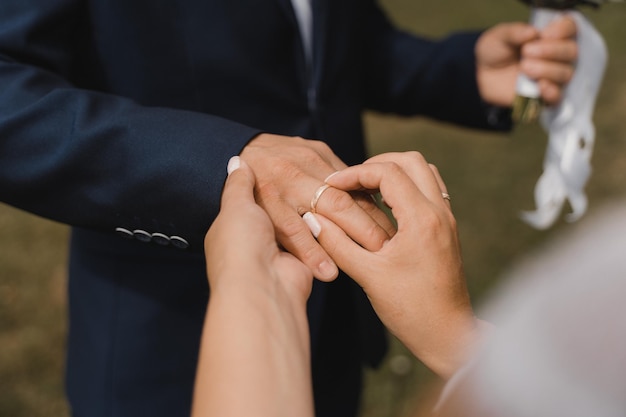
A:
[286, 7]
[320, 31]
[320, 10]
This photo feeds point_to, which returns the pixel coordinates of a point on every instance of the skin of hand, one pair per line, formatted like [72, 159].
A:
[415, 282]
[254, 355]
[288, 172]
[547, 56]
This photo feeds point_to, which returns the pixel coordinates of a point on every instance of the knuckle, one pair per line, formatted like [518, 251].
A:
[394, 168]
[568, 74]
[439, 224]
[297, 239]
[451, 220]
[330, 245]
[320, 146]
[286, 169]
[415, 156]
[375, 235]
[310, 255]
[291, 230]
[266, 190]
[431, 222]
[409, 159]
[339, 201]
[364, 200]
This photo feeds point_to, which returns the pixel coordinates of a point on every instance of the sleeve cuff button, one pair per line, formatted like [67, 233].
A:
[179, 242]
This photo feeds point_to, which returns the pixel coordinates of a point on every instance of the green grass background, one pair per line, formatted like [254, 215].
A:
[490, 176]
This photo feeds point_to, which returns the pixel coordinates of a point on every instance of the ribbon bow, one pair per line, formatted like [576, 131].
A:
[567, 163]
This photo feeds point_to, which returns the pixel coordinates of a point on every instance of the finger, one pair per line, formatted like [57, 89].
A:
[419, 170]
[442, 185]
[350, 257]
[368, 203]
[516, 34]
[562, 28]
[294, 235]
[327, 154]
[401, 194]
[437, 175]
[239, 216]
[565, 51]
[551, 93]
[555, 72]
[341, 208]
[239, 186]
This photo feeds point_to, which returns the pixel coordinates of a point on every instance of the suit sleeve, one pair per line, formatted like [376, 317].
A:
[409, 75]
[95, 160]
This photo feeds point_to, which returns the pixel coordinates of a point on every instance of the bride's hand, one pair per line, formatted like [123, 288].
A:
[415, 282]
[243, 231]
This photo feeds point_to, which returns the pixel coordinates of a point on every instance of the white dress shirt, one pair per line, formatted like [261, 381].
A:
[304, 14]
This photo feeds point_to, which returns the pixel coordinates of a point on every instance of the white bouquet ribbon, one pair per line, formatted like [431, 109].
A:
[567, 163]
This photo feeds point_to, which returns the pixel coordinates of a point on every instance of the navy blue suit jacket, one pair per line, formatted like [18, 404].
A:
[118, 117]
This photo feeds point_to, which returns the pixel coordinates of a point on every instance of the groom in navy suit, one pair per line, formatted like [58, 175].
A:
[118, 117]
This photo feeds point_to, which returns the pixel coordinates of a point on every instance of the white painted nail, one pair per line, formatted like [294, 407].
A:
[233, 164]
[314, 225]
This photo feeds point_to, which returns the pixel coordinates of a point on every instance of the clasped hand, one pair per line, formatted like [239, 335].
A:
[414, 279]
[547, 56]
[288, 172]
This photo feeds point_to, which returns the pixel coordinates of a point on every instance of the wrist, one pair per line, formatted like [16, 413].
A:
[255, 287]
[454, 344]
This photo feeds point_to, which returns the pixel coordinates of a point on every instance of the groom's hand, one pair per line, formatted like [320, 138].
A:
[289, 171]
[547, 56]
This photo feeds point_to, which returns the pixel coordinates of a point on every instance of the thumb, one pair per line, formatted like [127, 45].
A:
[239, 186]
[516, 34]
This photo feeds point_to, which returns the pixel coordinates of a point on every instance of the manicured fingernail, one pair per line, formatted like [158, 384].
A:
[314, 225]
[328, 177]
[233, 164]
[327, 270]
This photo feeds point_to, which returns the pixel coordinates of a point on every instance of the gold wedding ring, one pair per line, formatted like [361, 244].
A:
[445, 196]
[318, 194]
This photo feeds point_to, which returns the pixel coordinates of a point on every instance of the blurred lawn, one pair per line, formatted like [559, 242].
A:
[490, 176]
